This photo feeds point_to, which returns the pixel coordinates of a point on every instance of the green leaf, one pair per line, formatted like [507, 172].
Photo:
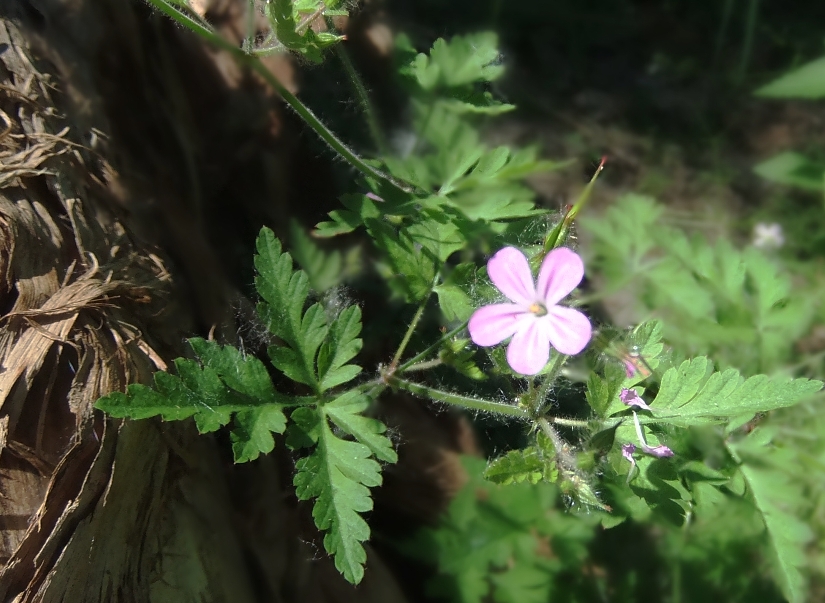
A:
[342, 346]
[453, 299]
[806, 82]
[173, 404]
[285, 293]
[640, 348]
[315, 354]
[440, 237]
[517, 466]
[735, 306]
[523, 584]
[793, 169]
[454, 302]
[343, 222]
[241, 372]
[289, 23]
[616, 230]
[601, 393]
[776, 494]
[345, 411]
[305, 428]
[360, 208]
[454, 69]
[339, 474]
[325, 270]
[253, 431]
[502, 201]
[502, 165]
[476, 102]
[506, 544]
[463, 60]
[299, 364]
[226, 383]
[410, 272]
[531, 464]
[693, 394]
[458, 354]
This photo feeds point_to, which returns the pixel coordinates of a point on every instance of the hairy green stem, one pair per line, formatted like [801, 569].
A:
[438, 395]
[566, 460]
[299, 107]
[538, 402]
[421, 355]
[320, 129]
[423, 366]
[410, 330]
[362, 95]
[199, 28]
[577, 423]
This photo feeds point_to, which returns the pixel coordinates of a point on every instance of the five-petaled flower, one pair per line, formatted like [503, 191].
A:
[534, 319]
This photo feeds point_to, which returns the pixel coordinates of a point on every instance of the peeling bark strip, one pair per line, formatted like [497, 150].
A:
[90, 510]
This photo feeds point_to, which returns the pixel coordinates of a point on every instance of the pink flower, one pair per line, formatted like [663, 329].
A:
[661, 451]
[631, 398]
[627, 452]
[534, 319]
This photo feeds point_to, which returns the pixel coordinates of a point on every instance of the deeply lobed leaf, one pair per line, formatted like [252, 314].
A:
[223, 384]
[693, 394]
[339, 473]
[776, 495]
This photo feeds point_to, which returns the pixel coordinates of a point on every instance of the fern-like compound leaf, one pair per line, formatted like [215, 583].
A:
[222, 383]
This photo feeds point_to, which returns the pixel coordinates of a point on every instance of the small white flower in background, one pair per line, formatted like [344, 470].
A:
[768, 236]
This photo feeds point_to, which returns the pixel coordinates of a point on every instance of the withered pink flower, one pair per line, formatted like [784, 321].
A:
[629, 397]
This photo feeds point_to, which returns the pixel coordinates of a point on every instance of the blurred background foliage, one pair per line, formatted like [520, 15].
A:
[703, 153]
[707, 140]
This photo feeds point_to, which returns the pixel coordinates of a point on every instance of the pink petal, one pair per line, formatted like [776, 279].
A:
[561, 272]
[529, 350]
[568, 329]
[629, 368]
[630, 397]
[627, 452]
[661, 451]
[490, 325]
[510, 272]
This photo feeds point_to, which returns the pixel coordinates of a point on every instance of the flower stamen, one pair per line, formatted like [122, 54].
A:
[538, 309]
